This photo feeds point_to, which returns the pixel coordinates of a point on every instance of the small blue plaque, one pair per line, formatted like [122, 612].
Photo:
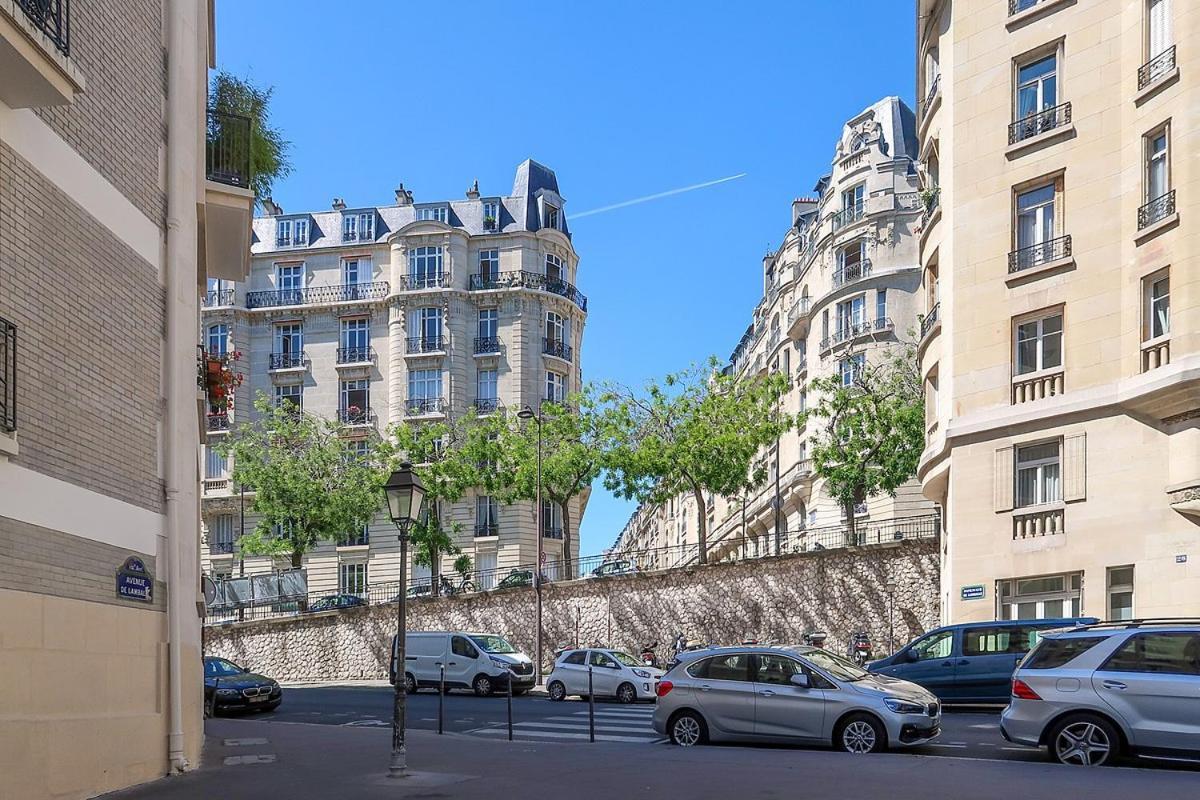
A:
[134, 581]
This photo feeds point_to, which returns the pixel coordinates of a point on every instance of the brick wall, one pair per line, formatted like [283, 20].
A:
[118, 123]
[90, 318]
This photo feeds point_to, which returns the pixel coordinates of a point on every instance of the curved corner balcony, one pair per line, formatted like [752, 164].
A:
[426, 280]
[523, 279]
[416, 345]
[848, 215]
[424, 405]
[851, 272]
[556, 348]
[316, 295]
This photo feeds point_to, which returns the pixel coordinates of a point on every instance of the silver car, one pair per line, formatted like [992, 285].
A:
[790, 694]
[613, 673]
[1092, 693]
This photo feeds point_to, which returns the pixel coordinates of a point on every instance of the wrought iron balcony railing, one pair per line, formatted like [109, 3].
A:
[520, 279]
[360, 539]
[1037, 254]
[218, 297]
[486, 405]
[227, 149]
[848, 215]
[930, 319]
[931, 94]
[424, 405]
[487, 344]
[487, 529]
[552, 532]
[53, 18]
[1157, 209]
[218, 422]
[1015, 6]
[1047, 120]
[287, 360]
[8, 376]
[427, 280]
[426, 344]
[557, 348]
[355, 416]
[851, 273]
[1153, 70]
[852, 330]
[317, 294]
[220, 548]
[355, 355]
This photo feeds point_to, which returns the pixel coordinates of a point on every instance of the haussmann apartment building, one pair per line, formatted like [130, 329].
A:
[416, 311]
[1062, 294]
[119, 196]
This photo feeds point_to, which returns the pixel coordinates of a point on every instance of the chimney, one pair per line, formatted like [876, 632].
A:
[403, 196]
[270, 209]
[339, 204]
[802, 205]
[473, 192]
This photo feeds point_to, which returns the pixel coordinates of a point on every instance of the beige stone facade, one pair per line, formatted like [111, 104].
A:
[843, 285]
[415, 311]
[1062, 355]
[101, 267]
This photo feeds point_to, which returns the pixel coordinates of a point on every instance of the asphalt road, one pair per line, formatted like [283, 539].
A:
[966, 733]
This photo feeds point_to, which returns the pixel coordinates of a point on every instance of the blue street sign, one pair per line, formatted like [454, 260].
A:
[134, 581]
[972, 592]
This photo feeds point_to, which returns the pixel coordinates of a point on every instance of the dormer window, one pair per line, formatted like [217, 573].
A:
[358, 227]
[291, 233]
[433, 213]
[550, 217]
[491, 215]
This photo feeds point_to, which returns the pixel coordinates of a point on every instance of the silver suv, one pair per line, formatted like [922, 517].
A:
[1091, 693]
[790, 694]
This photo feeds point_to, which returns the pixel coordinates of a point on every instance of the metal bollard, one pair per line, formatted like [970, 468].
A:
[591, 708]
[441, 696]
[510, 727]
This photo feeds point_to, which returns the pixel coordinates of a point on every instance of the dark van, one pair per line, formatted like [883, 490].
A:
[972, 662]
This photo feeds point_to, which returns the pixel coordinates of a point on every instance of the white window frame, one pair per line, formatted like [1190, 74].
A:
[1122, 588]
[347, 391]
[487, 511]
[1162, 30]
[221, 529]
[301, 232]
[1047, 473]
[359, 267]
[289, 274]
[551, 216]
[217, 340]
[1041, 213]
[1157, 159]
[1156, 305]
[421, 382]
[1041, 337]
[1037, 83]
[216, 466]
[292, 392]
[287, 338]
[854, 198]
[1070, 595]
[491, 208]
[851, 313]
[486, 384]
[556, 386]
[283, 233]
[489, 264]
[554, 263]
[355, 333]
[851, 367]
[556, 327]
[488, 323]
[352, 578]
[433, 214]
[425, 266]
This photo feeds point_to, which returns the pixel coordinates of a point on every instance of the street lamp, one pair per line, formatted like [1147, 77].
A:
[527, 413]
[405, 496]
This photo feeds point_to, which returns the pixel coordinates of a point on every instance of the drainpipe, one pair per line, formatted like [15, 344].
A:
[180, 425]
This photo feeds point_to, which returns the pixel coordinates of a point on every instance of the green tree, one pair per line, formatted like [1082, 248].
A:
[696, 432]
[870, 428]
[268, 149]
[572, 436]
[308, 486]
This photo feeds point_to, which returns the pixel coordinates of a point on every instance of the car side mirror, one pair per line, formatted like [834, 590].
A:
[912, 655]
[800, 679]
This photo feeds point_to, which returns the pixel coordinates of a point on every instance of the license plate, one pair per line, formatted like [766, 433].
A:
[262, 698]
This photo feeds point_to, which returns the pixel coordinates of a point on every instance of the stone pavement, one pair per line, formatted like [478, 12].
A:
[252, 760]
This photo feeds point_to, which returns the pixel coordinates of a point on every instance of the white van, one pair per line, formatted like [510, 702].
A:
[482, 662]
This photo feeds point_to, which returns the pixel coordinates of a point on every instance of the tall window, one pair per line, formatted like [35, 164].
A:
[1037, 86]
[485, 385]
[557, 327]
[825, 323]
[424, 266]
[1038, 471]
[355, 339]
[491, 215]
[220, 530]
[289, 277]
[552, 519]
[427, 327]
[358, 227]
[852, 367]
[301, 232]
[435, 213]
[1120, 593]
[850, 315]
[489, 265]
[852, 199]
[352, 578]
[488, 323]
[1158, 177]
[290, 397]
[283, 233]
[289, 344]
[556, 387]
[550, 216]
[356, 271]
[1039, 343]
[1159, 34]
[424, 384]
[218, 339]
[215, 464]
[851, 260]
[1035, 216]
[1157, 316]
[881, 305]
[487, 515]
[355, 400]
[554, 267]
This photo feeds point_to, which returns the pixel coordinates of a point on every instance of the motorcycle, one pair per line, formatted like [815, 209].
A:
[860, 649]
[649, 657]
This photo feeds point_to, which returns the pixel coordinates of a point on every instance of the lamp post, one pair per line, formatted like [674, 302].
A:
[405, 496]
[891, 593]
[527, 413]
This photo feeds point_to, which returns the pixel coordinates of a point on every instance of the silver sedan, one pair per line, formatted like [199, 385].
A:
[803, 695]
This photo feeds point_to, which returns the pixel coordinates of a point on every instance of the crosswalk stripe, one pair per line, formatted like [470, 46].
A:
[575, 727]
[599, 720]
[600, 737]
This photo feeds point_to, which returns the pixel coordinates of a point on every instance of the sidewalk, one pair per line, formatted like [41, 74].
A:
[536, 691]
[254, 759]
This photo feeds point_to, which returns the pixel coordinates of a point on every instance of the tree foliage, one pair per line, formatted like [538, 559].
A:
[308, 486]
[269, 160]
[697, 432]
[869, 433]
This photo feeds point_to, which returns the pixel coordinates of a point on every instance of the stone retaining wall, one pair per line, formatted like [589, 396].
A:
[770, 599]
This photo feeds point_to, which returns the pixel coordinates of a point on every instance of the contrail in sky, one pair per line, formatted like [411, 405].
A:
[658, 196]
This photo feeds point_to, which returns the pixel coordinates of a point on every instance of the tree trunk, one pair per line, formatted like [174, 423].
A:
[435, 556]
[566, 545]
[701, 526]
[297, 563]
[851, 524]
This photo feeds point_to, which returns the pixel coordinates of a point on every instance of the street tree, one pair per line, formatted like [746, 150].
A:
[308, 485]
[268, 149]
[697, 431]
[869, 425]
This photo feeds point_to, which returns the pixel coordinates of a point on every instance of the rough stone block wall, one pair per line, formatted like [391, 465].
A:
[772, 599]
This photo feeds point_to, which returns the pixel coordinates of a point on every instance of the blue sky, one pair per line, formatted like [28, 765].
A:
[622, 99]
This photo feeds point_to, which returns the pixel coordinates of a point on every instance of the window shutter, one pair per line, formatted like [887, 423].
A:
[1160, 27]
[1002, 490]
[1075, 467]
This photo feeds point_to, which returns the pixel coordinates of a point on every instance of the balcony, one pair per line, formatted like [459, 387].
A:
[847, 216]
[280, 361]
[354, 415]
[485, 405]
[416, 345]
[930, 320]
[1156, 210]
[1157, 69]
[218, 297]
[424, 405]
[355, 355]
[316, 295]
[1043, 122]
[520, 279]
[850, 331]
[1037, 386]
[486, 529]
[1035, 522]
[799, 310]
[228, 198]
[214, 486]
[552, 532]
[35, 49]
[851, 272]
[931, 98]
[8, 376]
[417, 282]
[359, 539]
[1042, 254]
[556, 348]
[487, 345]
[218, 422]
[220, 548]
[1156, 353]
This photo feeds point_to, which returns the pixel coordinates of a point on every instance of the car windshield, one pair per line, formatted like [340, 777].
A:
[625, 658]
[220, 668]
[835, 665]
[493, 644]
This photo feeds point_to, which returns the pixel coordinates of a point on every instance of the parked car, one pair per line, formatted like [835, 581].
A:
[481, 662]
[971, 662]
[228, 687]
[614, 674]
[791, 694]
[610, 568]
[518, 577]
[336, 601]
[1093, 693]
[418, 590]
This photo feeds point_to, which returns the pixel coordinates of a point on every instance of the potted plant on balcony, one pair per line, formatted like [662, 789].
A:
[489, 223]
[929, 197]
[221, 379]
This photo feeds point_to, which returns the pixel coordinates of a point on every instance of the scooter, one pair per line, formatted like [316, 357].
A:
[860, 649]
[815, 639]
[649, 658]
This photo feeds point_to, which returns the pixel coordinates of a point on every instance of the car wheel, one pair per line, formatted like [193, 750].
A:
[688, 729]
[557, 691]
[860, 733]
[626, 693]
[1084, 740]
[410, 683]
[482, 686]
